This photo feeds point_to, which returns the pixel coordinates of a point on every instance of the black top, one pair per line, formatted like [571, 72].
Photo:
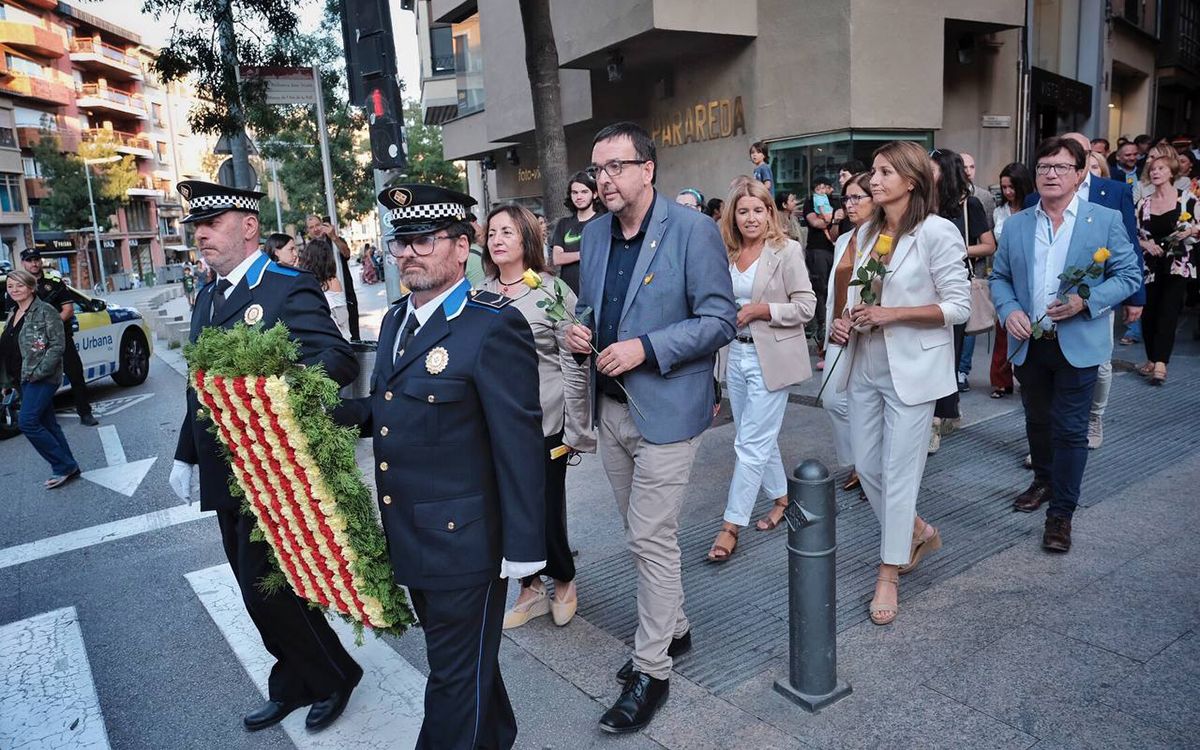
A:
[816, 237]
[622, 257]
[977, 220]
[1160, 226]
[54, 293]
[567, 234]
[10, 350]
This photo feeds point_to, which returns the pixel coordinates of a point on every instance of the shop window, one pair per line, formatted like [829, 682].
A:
[468, 65]
[10, 192]
[796, 162]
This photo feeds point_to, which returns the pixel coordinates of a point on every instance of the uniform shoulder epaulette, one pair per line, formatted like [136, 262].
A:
[488, 300]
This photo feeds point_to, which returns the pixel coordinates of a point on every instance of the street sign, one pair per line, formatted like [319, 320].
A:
[284, 85]
[225, 174]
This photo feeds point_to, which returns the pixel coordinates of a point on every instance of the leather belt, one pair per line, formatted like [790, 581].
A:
[744, 339]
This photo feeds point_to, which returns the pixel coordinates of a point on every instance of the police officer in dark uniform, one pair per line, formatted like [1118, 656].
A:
[54, 292]
[311, 666]
[455, 419]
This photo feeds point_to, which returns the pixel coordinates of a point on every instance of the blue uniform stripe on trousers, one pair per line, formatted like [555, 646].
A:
[479, 660]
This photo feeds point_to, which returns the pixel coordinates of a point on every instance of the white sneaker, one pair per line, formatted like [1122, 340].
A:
[1095, 433]
[935, 436]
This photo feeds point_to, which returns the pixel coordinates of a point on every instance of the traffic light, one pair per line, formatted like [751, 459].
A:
[371, 72]
[385, 120]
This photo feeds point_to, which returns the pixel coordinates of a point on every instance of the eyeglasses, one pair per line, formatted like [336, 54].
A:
[422, 245]
[851, 200]
[611, 168]
[1061, 169]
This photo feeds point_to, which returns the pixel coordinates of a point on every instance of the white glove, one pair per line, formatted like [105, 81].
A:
[519, 569]
[181, 480]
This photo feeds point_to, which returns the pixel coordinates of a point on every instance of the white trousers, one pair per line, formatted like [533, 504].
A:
[757, 418]
[1100, 395]
[890, 440]
[837, 405]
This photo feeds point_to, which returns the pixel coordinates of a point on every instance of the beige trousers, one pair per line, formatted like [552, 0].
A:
[649, 482]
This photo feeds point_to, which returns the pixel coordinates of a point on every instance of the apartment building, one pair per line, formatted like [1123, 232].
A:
[88, 80]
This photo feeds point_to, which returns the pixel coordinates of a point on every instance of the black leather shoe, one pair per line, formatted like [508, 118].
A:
[325, 712]
[88, 420]
[636, 707]
[271, 713]
[679, 646]
[1032, 498]
[1057, 536]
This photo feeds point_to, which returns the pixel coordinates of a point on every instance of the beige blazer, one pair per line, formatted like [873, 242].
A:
[781, 281]
[926, 269]
[564, 384]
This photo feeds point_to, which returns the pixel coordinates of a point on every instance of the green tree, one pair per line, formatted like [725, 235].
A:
[67, 207]
[426, 162]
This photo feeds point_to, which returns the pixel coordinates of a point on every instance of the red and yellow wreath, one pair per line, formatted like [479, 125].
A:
[296, 471]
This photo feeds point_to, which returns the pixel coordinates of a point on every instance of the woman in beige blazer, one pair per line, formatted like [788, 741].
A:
[899, 354]
[769, 353]
[514, 245]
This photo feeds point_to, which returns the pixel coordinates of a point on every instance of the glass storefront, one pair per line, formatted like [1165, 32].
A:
[796, 162]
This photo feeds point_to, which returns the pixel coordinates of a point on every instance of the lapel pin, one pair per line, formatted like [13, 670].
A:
[649, 276]
[653, 244]
[1089, 220]
[436, 360]
[253, 314]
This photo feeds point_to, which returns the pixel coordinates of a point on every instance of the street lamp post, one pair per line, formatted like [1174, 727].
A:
[87, 175]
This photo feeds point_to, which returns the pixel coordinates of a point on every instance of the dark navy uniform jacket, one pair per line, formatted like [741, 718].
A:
[284, 294]
[456, 425]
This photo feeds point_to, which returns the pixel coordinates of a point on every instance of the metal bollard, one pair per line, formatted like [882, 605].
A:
[812, 593]
[364, 352]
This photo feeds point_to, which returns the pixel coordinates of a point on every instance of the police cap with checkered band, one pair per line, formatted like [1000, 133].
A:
[421, 209]
[207, 199]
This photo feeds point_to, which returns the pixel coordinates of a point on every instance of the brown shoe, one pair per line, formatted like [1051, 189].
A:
[1032, 498]
[1057, 537]
[852, 482]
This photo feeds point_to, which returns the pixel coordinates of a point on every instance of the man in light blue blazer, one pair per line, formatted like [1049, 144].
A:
[655, 278]
[1059, 333]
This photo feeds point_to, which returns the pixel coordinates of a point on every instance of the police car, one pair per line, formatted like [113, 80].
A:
[113, 341]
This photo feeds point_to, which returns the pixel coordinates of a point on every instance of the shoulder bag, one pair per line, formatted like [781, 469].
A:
[983, 312]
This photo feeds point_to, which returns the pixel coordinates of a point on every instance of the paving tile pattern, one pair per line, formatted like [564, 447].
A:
[967, 492]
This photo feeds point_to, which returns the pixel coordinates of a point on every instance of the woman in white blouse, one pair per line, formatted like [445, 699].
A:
[769, 353]
[899, 356]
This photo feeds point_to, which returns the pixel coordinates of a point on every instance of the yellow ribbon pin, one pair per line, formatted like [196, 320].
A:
[648, 279]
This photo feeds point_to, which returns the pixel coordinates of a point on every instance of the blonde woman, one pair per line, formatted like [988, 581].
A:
[899, 356]
[769, 353]
[514, 246]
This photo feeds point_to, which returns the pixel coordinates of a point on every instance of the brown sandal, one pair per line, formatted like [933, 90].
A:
[884, 614]
[768, 523]
[852, 482]
[719, 553]
[922, 545]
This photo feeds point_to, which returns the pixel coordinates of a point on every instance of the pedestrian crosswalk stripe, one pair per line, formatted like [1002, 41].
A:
[47, 697]
[386, 708]
[105, 532]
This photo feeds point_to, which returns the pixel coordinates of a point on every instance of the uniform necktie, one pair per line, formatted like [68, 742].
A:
[218, 300]
[406, 336]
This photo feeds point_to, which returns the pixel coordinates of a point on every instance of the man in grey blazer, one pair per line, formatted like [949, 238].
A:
[655, 278]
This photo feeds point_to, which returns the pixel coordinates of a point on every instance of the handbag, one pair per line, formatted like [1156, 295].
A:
[983, 311]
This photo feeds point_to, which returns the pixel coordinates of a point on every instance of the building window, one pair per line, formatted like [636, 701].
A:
[441, 50]
[10, 192]
[137, 216]
[8, 137]
[157, 110]
[162, 153]
[796, 162]
[31, 167]
[24, 65]
[468, 65]
[34, 118]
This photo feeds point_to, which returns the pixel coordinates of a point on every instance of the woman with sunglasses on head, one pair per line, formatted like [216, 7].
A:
[514, 248]
[768, 354]
[856, 199]
[583, 200]
[899, 356]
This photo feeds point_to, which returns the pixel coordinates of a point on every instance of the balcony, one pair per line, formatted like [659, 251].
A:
[68, 140]
[39, 89]
[32, 39]
[93, 96]
[124, 143]
[146, 188]
[35, 188]
[94, 55]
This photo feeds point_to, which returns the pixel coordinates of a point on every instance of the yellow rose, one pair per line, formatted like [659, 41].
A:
[1185, 216]
[532, 279]
[1102, 254]
[883, 245]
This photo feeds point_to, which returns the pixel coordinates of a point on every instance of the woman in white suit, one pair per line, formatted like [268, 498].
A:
[769, 353]
[856, 198]
[900, 355]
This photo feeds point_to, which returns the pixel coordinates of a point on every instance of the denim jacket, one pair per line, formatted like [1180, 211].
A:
[42, 340]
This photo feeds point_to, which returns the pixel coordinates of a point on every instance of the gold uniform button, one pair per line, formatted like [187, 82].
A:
[200, 413]
[387, 499]
[430, 398]
[383, 465]
[387, 396]
[383, 431]
[450, 526]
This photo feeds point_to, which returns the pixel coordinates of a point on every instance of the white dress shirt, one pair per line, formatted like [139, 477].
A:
[1085, 188]
[423, 313]
[1050, 256]
[239, 272]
